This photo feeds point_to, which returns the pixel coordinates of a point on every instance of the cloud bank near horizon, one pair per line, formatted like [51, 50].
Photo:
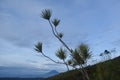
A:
[93, 22]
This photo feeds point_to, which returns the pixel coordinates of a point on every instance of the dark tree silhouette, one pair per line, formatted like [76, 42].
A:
[79, 56]
[106, 54]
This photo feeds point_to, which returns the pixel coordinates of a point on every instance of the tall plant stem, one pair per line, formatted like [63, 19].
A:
[51, 59]
[55, 33]
[66, 64]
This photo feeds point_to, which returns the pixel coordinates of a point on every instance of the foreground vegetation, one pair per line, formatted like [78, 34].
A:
[108, 70]
[78, 57]
[75, 58]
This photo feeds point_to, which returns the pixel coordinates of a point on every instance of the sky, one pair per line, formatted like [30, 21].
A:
[94, 22]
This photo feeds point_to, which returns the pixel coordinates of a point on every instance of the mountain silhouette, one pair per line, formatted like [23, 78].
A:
[51, 73]
[23, 72]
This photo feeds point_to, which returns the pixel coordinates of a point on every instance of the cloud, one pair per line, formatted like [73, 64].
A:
[93, 22]
[21, 71]
[55, 66]
[21, 24]
[116, 43]
[32, 61]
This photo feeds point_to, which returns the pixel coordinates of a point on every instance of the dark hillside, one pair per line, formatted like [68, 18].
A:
[108, 70]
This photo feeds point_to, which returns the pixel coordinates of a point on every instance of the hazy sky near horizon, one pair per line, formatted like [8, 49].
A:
[95, 22]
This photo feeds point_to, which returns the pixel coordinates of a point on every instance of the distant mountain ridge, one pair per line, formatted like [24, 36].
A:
[20, 72]
[51, 73]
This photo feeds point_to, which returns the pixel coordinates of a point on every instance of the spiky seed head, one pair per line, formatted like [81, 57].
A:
[69, 62]
[46, 14]
[77, 57]
[60, 35]
[38, 47]
[56, 22]
[61, 54]
[84, 51]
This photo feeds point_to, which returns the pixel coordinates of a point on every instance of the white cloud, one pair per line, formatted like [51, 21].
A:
[21, 27]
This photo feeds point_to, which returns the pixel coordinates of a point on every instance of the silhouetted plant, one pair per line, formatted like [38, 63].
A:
[106, 52]
[38, 48]
[56, 22]
[60, 35]
[84, 51]
[106, 55]
[69, 62]
[77, 57]
[61, 54]
[80, 56]
[46, 14]
[81, 53]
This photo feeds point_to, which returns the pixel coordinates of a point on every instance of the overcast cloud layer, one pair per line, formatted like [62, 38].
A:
[96, 23]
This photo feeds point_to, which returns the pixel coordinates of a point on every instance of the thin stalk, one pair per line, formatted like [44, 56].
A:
[55, 34]
[81, 70]
[85, 72]
[59, 37]
[52, 59]
[56, 61]
[56, 31]
[66, 64]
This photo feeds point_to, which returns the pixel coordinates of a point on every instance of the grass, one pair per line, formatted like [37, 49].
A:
[107, 70]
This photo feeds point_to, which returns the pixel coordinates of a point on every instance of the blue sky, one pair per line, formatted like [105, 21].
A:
[95, 22]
